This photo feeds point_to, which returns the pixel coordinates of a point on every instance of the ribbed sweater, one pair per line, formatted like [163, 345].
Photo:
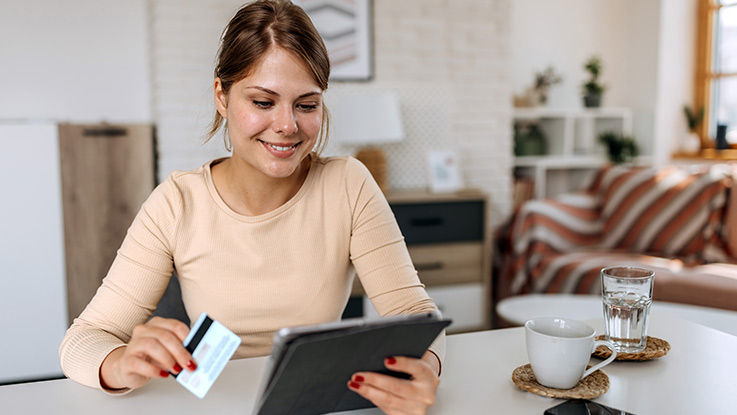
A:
[255, 274]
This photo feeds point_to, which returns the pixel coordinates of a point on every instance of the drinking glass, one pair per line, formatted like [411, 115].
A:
[627, 294]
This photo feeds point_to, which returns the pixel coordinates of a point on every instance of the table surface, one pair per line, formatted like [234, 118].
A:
[697, 376]
[521, 308]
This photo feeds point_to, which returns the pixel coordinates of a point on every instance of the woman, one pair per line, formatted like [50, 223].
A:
[260, 240]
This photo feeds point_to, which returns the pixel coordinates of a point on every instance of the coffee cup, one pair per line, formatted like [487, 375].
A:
[559, 350]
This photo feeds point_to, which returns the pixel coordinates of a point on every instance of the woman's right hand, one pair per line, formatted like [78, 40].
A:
[154, 349]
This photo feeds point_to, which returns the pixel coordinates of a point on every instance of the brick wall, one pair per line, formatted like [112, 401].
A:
[447, 59]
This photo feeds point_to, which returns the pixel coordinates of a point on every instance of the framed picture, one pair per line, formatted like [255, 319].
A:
[345, 27]
[443, 171]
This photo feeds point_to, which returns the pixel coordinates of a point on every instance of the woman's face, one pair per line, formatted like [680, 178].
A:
[274, 114]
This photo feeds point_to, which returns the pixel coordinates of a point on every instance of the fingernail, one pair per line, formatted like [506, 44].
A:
[163, 373]
[391, 361]
[358, 378]
[191, 366]
[354, 385]
[177, 368]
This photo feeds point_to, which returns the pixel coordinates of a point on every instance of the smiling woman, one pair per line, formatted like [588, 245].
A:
[274, 115]
[260, 240]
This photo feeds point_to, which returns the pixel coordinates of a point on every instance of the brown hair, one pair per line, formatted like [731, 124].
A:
[252, 31]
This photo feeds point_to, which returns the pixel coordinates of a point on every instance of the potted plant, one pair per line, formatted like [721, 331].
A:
[620, 148]
[692, 142]
[543, 81]
[592, 89]
[537, 93]
[529, 139]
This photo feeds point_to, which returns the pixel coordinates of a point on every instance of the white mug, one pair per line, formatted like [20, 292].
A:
[559, 350]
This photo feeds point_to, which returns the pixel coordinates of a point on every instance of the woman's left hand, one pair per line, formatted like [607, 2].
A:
[397, 396]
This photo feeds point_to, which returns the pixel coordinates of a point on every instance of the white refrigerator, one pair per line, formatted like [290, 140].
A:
[33, 311]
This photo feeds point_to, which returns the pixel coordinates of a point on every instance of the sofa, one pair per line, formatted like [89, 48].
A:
[680, 221]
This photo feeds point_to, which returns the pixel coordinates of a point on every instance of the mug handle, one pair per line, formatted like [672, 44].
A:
[610, 359]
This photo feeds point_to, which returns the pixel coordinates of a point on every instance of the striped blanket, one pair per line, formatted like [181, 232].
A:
[671, 219]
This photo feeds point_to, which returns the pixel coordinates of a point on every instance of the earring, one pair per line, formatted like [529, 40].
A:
[226, 139]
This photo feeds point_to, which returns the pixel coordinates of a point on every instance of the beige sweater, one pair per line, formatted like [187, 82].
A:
[254, 274]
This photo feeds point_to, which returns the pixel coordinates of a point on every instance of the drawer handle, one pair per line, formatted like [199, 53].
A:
[105, 132]
[427, 221]
[429, 266]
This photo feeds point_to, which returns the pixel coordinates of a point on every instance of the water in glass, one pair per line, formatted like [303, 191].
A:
[627, 294]
[625, 315]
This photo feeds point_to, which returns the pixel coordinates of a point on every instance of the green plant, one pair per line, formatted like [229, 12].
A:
[693, 118]
[592, 86]
[620, 148]
[546, 79]
[529, 139]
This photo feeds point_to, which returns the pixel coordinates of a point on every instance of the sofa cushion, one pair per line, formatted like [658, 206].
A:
[711, 285]
[669, 211]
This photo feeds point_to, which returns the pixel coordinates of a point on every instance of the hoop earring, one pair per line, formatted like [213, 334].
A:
[226, 139]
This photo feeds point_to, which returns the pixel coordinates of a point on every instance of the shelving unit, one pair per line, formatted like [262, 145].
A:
[573, 150]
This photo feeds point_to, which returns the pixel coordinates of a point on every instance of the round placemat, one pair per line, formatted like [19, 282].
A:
[654, 349]
[589, 387]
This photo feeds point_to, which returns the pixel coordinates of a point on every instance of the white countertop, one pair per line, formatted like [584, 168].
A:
[696, 377]
[521, 308]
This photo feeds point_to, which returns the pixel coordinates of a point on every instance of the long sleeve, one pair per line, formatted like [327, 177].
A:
[130, 291]
[379, 253]
[254, 274]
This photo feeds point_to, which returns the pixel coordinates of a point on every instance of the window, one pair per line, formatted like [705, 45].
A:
[716, 86]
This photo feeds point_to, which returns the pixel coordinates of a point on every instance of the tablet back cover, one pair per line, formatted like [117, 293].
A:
[312, 377]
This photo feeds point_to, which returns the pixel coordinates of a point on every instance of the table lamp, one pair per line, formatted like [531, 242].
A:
[367, 119]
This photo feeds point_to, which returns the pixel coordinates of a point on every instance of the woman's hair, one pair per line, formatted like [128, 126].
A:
[252, 31]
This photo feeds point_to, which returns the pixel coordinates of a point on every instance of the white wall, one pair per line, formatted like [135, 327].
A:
[565, 33]
[76, 60]
[647, 48]
[449, 61]
[675, 74]
[640, 34]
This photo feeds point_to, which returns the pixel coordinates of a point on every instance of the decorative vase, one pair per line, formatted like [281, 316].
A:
[721, 141]
[592, 100]
[529, 140]
[691, 143]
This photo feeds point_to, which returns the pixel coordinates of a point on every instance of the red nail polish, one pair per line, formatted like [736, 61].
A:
[354, 385]
[358, 378]
[163, 373]
[191, 366]
[177, 368]
[391, 361]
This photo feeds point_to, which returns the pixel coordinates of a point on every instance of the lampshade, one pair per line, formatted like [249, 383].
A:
[365, 118]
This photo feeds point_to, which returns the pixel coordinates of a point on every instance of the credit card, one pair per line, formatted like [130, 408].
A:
[211, 345]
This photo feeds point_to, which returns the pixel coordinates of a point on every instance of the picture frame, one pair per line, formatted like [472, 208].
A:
[443, 168]
[346, 29]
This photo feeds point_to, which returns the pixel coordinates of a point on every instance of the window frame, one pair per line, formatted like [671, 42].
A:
[705, 50]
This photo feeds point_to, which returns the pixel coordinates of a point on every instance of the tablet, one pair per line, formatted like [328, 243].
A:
[310, 366]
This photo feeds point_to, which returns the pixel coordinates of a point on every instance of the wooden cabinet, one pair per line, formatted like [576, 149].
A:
[448, 239]
[107, 171]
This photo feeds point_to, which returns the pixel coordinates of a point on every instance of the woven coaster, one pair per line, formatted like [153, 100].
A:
[654, 349]
[589, 387]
